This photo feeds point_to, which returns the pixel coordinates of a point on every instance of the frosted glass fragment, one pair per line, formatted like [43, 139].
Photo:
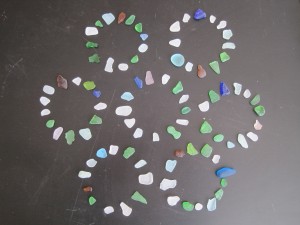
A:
[198, 206]
[123, 110]
[84, 174]
[57, 132]
[89, 31]
[247, 93]
[166, 184]
[109, 65]
[212, 18]
[237, 88]
[100, 106]
[175, 27]
[182, 122]
[149, 78]
[45, 112]
[155, 137]
[113, 149]
[165, 79]
[143, 48]
[108, 210]
[257, 125]
[242, 141]
[48, 90]
[216, 159]
[44, 100]
[85, 133]
[123, 66]
[91, 163]
[228, 45]
[204, 106]
[175, 42]
[230, 145]
[108, 18]
[129, 122]
[252, 136]
[146, 179]
[186, 18]
[170, 165]
[183, 99]
[173, 200]
[127, 96]
[138, 133]
[177, 60]
[212, 204]
[77, 81]
[140, 164]
[227, 34]
[222, 25]
[126, 210]
[189, 66]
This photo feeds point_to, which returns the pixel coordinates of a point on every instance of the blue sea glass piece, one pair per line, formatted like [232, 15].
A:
[138, 82]
[127, 96]
[144, 36]
[199, 14]
[170, 165]
[108, 18]
[225, 172]
[101, 153]
[96, 93]
[230, 144]
[177, 60]
[224, 90]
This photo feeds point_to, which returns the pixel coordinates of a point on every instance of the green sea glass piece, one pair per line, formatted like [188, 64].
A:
[50, 123]
[128, 152]
[255, 100]
[70, 137]
[89, 85]
[178, 88]
[219, 194]
[94, 58]
[205, 128]
[223, 182]
[185, 110]
[172, 131]
[130, 20]
[260, 110]
[191, 150]
[90, 44]
[138, 27]
[206, 150]
[218, 138]
[187, 206]
[224, 57]
[134, 59]
[139, 197]
[92, 200]
[96, 120]
[215, 67]
[213, 96]
[98, 23]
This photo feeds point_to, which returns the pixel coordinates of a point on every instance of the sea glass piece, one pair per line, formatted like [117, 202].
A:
[113, 149]
[96, 93]
[225, 172]
[201, 73]
[90, 44]
[138, 82]
[206, 150]
[48, 90]
[84, 174]
[182, 122]
[215, 67]
[124, 110]
[166, 184]
[57, 132]
[205, 128]
[91, 163]
[219, 194]
[227, 34]
[95, 120]
[140, 164]
[224, 90]
[199, 14]
[222, 25]
[260, 110]
[218, 138]
[191, 150]
[242, 141]
[144, 37]
[257, 125]
[90, 31]
[224, 56]
[130, 20]
[138, 197]
[100, 106]
[143, 48]
[183, 99]
[87, 189]
[189, 66]
[108, 210]
[175, 27]
[173, 200]
[204, 106]
[126, 210]
[186, 18]
[170, 165]
[146, 179]
[94, 58]
[98, 23]
[255, 100]
[70, 137]
[123, 66]
[108, 18]
[179, 153]
[129, 122]
[177, 88]
[175, 42]
[213, 96]
[138, 133]
[212, 19]
[85, 133]
[177, 60]
[45, 112]
[165, 79]
[50, 123]
[230, 145]
[44, 100]
[185, 110]
[89, 85]
[237, 88]
[77, 81]
[252, 136]
[172, 131]
[216, 159]
[247, 93]
[155, 137]
[149, 78]
[134, 59]
[121, 17]
[211, 204]
[187, 206]
[198, 206]
[128, 152]
[223, 182]
[109, 65]
[228, 45]
[127, 96]
[62, 82]
[101, 153]
[138, 27]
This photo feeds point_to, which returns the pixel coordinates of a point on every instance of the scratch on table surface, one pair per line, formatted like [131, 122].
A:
[37, 193]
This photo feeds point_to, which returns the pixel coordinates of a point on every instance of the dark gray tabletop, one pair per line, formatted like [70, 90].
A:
[38, 176]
